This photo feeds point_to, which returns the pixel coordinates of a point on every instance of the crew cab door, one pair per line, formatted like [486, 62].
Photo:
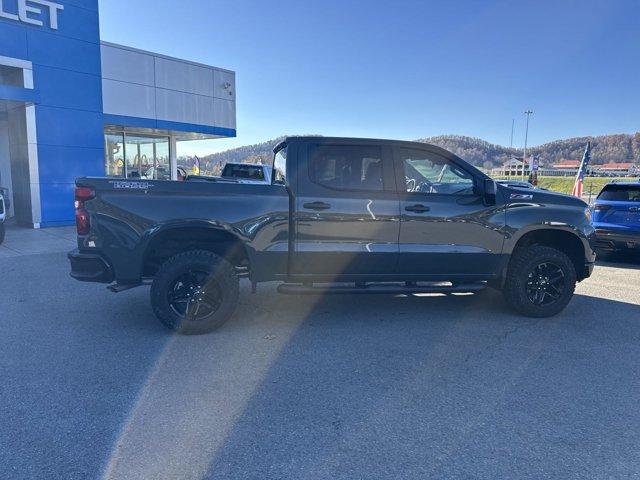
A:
[347, 211]
[446, 228]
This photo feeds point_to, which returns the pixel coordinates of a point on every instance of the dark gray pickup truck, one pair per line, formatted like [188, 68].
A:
[339, 216]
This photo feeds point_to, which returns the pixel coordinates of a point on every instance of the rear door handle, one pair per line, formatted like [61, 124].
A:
[316, 206]
[419, 208]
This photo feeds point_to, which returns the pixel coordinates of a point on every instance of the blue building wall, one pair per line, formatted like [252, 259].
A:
[68, 93]
[188, 100]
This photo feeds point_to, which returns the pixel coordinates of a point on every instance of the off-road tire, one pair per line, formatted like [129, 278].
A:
[523, 263]
[220, 275]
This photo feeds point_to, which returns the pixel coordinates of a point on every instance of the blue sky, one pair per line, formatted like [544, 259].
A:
[404, 69]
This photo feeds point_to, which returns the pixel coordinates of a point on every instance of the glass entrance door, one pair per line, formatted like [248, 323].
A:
[114, 154]
[162, 168]
[139, 155]
[147, 157]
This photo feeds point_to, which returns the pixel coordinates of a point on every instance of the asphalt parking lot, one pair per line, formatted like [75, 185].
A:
[316, 388]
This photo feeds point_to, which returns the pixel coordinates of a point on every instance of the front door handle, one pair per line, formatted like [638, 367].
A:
[316, 206]
[419, 208]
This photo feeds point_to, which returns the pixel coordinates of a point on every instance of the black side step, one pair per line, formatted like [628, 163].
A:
[117, 288]
[384, 288]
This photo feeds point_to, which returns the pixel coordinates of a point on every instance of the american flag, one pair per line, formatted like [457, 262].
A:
[584, 164]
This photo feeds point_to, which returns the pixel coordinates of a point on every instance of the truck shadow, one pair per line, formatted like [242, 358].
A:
[402, 387]
[387, 387]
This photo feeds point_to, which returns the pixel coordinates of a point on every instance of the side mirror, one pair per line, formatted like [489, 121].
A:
[490, 189]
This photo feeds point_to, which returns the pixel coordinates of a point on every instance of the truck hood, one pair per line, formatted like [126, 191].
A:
[536, 195]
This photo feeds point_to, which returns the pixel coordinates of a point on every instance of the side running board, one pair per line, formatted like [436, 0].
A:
[383, 288]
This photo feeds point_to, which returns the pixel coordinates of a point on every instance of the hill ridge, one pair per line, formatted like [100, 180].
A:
[619, 147]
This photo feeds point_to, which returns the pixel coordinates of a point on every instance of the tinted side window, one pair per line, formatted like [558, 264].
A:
[427, 172]
[346, 167]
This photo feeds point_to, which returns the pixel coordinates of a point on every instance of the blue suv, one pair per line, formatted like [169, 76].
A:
[616, 218]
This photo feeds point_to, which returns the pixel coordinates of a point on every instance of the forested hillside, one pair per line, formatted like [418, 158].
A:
[605, 149]
[258, 153]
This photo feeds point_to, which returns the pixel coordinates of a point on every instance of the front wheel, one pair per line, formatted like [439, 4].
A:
[1, 232]
[194, 292]
[540, 281]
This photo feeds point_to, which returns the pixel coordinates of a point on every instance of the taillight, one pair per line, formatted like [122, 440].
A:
[601, 208]
[83, 224]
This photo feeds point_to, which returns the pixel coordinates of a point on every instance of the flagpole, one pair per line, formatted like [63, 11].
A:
[577, 186]
[526, 137]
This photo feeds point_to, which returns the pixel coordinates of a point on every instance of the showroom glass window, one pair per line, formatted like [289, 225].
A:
[137, 156]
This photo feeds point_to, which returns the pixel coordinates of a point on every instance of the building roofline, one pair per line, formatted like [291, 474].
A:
[160, 55]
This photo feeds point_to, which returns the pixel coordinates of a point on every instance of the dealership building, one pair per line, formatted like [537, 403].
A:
[72, 105]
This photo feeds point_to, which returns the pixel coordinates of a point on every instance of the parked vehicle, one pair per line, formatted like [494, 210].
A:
[616, 217]
[247, 173]
[339, 216]
[158, 173]
[3, 217]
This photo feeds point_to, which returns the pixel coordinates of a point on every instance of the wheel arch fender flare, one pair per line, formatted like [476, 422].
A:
[184, 228]
[531, 231]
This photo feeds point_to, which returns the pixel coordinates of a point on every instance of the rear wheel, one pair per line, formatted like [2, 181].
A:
[194, 292]
[540, 281]
[1, 232]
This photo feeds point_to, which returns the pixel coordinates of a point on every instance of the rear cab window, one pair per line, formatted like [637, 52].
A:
[620, 193]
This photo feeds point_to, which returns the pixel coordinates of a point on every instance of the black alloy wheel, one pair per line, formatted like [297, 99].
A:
[540, 281]
[190, 295]
[195, 292]
[546, 283]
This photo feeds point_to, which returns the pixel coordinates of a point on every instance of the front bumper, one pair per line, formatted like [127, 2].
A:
[90, 267]
[588, 269]
[616, 241]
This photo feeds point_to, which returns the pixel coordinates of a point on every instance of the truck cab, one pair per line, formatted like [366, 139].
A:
[389, 210]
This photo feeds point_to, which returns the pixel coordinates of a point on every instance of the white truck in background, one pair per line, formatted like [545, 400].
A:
[247, 173]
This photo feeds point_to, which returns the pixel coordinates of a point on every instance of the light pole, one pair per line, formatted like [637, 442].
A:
[526, 136]
[513, 124]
